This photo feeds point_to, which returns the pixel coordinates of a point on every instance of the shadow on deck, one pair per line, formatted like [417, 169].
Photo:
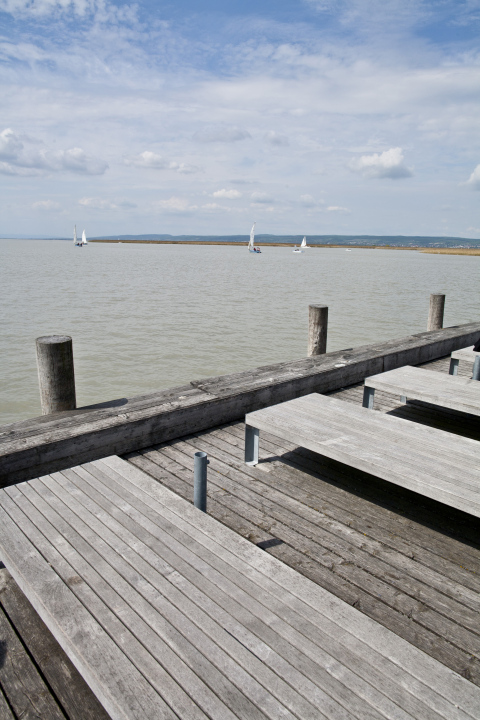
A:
[408, 562]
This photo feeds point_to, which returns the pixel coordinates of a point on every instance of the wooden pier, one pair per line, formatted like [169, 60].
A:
[402, 560]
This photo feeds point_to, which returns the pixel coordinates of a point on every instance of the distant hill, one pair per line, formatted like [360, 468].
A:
[377, 240]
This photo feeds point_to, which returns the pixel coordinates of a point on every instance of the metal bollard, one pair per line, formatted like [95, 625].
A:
[200, 481]
[476, 369]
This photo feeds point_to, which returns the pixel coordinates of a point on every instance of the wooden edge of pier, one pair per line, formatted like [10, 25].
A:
[54, 442]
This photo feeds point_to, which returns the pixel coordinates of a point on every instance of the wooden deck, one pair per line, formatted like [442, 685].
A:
[402, 559]
[405, 561]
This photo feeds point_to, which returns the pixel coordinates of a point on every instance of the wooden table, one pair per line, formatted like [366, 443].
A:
[169, 614]
[466, 355]
[431, 462]
[448, 391]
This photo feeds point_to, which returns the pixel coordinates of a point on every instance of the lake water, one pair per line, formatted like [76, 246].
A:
[146, 317]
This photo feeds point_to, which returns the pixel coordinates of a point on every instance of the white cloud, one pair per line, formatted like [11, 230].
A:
[474, 179]
[262, 198]
[96, 203]
[46, 205]
[20, 156]
[221, 133]
[230, 194]
[388, 164]
[275, 138]
[176, 204]
[309, 201]
[339, 209]
[154, 161]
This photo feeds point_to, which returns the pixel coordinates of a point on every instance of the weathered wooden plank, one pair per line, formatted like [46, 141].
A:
[466, 354]
[235, 549]
[129, 582]
[75, 697]
[448, 391]
[102, 664]
[430, 549]
[67, 440]
[27, 693]
[5, 710]
[312, 423]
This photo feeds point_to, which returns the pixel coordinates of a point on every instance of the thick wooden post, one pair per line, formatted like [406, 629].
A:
[435, 315]
[56, 375]
[317, 329]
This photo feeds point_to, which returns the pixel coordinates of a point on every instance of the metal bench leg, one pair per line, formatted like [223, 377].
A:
[476, 369]
[368, 395]
[453, 366]
[403, 398]
[251, 445]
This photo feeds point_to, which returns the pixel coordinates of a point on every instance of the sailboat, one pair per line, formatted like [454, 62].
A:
[79, 242]
[76, 241]
[304, 243]
[251, 246]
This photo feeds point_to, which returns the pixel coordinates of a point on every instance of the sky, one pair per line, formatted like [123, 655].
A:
[200, 117]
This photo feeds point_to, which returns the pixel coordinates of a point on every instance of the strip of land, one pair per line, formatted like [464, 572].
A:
[452, 251]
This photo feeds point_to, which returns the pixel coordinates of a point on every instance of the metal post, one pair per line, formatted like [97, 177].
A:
[56, 375]
[476, 369]
[317, 329]
[453, 370]
[435, 315]
[251, 445]
[368, 397]
[200, 481]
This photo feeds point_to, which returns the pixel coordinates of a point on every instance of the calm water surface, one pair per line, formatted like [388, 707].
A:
[146, 317]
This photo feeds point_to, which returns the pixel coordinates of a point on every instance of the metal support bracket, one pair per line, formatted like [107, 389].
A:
[453, 370]
[368, 397]
[251, 445]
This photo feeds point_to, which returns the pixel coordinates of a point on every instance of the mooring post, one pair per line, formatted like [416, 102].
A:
[200, 463]
[317, 329]
[56, 375]
[435, 315]
[476, 369]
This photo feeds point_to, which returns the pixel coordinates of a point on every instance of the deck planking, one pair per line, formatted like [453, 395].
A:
[193, 621]
[404, 560]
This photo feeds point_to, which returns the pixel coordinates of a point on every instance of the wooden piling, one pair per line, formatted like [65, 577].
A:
[435, 315]
[317, 329]
[56, 375]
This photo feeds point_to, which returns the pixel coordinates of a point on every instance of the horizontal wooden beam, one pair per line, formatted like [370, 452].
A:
[54, 442]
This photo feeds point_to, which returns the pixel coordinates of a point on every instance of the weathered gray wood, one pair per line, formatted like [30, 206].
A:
[110, 520]
[456, 393]
[5, 711]
[308, 596]
[339, 574]
[467, 354]
[56, 374]
[26, 690]
[73, 694]
[435, 314]
[325, 425]
[317, 329]
[47, 444]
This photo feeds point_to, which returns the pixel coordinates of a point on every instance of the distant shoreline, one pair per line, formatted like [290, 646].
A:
[257, 244]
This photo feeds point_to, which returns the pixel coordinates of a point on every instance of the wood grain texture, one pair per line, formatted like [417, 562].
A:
[465, 354]
[387, 447]
[42, 445]
[447, 391]
[65, 684]
[238, 632]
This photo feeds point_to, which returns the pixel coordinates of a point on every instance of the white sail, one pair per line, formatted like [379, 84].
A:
[84, 238]
[252, 235]
[75, 235]
[304, 242]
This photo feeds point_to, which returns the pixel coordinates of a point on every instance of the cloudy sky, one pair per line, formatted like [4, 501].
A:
[308, 116]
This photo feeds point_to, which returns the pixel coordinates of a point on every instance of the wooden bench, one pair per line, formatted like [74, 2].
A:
[431, 462]
[168, 614]
[466, 355]
[447, 391]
